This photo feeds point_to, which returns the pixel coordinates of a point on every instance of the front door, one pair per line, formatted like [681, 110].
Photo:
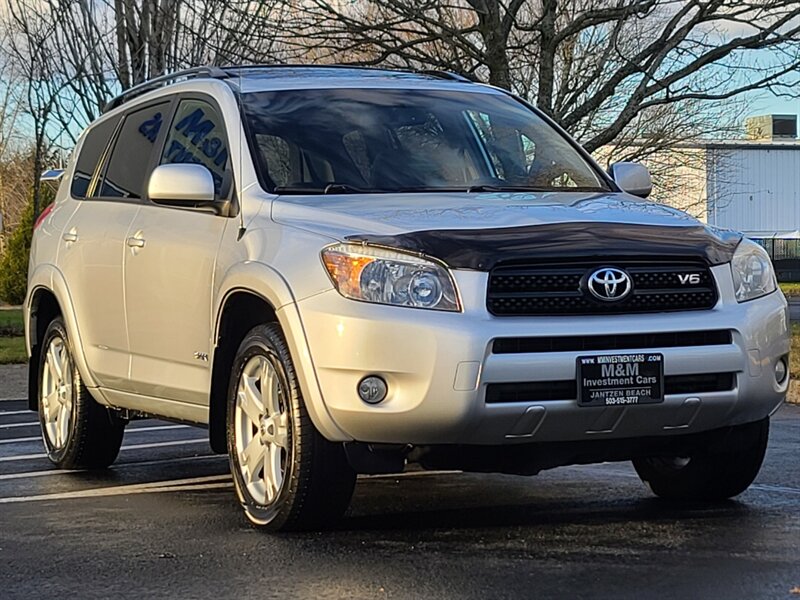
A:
[170, 268]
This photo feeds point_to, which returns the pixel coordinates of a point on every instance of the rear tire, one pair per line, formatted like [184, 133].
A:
[286, 475]
[721, 471]
[78, 432]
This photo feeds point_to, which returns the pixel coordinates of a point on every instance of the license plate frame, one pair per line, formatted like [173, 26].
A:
[620, 379]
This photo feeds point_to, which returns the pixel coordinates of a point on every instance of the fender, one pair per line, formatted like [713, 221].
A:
[47, 276]
[264, 281]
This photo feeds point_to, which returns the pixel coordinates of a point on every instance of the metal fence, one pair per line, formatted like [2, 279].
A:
[785, 255]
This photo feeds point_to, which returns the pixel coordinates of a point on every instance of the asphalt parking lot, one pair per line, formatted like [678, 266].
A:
[162, 522]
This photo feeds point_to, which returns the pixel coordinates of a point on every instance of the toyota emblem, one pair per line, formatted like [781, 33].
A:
[609, 284]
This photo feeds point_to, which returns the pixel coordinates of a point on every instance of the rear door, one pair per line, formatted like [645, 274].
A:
[107, 183]
[169, 271]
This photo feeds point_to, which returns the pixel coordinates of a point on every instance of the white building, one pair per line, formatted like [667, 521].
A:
[749, 185]
[754, 187]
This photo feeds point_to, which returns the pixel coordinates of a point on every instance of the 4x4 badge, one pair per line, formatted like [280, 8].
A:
[609, 284]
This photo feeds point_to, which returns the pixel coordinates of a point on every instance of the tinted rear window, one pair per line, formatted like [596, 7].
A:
[96, 142]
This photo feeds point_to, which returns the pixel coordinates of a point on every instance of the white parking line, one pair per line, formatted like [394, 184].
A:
[174, 485]
[116, 467]
[781, 489]
[127, 431]
[155, 428]
[8, 413]
[202, 483]
[158, 427]
[409, 474]
[22, 440]
[13, 425]
[132, 447]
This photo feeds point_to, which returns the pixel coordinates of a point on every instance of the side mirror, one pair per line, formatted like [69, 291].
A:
[632, 178]
[52, 178]
[184, 183]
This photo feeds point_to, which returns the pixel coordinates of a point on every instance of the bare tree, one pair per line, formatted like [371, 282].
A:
[15, 161]
[596, 66]
[631, 77]
[94, 49]
[29, 52]
[73, 56]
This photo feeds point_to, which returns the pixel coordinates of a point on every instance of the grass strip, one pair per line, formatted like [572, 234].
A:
[12, 350]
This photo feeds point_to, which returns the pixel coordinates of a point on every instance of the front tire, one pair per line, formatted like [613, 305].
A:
[286, 475]
[78, 432]
[716, 473]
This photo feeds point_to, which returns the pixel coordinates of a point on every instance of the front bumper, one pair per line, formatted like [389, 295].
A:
[438, 366]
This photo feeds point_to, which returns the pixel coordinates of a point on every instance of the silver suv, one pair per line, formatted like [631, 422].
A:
[342, 270]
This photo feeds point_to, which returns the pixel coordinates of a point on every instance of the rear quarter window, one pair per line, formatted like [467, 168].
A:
[94, 146]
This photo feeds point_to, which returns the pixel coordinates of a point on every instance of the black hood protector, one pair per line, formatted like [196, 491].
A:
[482, 249]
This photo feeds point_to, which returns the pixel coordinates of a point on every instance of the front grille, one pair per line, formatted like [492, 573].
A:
[578, 343]
[557, 289]
[542, 391]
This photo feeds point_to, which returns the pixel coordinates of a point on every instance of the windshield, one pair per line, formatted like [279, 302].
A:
[388, 140]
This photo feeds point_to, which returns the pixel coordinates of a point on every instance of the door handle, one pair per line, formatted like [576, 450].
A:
[70, 236]
[135, 242]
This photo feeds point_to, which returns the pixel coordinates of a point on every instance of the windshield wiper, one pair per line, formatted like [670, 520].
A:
[331, 188]
[423, 189]
[531, 188]
[343, 188]
[506, 188]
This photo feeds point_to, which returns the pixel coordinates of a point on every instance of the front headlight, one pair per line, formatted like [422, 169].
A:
[389, 277]
[753, 276]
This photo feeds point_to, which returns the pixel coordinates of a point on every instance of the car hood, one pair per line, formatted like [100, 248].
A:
[477, 230]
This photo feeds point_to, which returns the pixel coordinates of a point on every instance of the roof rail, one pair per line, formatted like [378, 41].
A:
[231, 70]
[161, 81]
[447, 75]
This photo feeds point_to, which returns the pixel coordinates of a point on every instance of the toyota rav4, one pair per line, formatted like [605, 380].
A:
[342, 270]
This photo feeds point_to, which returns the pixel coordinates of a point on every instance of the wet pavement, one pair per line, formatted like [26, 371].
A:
[163, 522]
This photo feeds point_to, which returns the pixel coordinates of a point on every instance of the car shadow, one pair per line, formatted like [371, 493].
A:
[490, 501]
[539, 514]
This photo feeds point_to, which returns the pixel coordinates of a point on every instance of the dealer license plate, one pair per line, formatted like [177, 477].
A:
[618, 379]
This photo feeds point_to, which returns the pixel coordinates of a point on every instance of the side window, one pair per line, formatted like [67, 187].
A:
[197, 135]
[529, 149]
[93, 147]
[126, 174]
[511, 153]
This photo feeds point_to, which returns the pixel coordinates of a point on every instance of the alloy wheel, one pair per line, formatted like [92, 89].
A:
[262, 441]
[58, 393]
